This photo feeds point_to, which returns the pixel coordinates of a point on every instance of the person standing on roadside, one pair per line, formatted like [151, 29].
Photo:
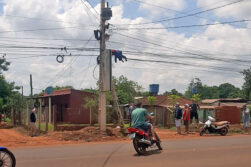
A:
[177, 117]
[186, 118]
[246, 118]
[194, 112]
[130, 110]
[33, 122]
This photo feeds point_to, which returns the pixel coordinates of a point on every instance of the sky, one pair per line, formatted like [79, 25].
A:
[172, 41]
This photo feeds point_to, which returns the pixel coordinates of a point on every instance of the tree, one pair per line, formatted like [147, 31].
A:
[126, 89]
[196, 98]
[247, 83]
[173, 99]
[228, 90]
[194, 87]
[173, 92]
[151, 100]
[90, 102]
[62, 87]
[3, 65]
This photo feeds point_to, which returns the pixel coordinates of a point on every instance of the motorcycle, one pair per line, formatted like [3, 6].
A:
[215, 127]
[7, 158]
[142, 140]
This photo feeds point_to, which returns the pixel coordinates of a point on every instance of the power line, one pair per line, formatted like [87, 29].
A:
[97, 19]
[47, 29]
[93, 7]
[183, 26]
[183, 13]
[227, 60]
[38, 19]
[65, 68]
[164, 46]
[185, 64]
[188, 15]
[35, 56]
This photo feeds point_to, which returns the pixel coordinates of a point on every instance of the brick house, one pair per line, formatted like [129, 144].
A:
[67, 106]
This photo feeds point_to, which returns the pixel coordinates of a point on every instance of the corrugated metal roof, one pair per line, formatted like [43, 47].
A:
[162, 100]
[210, 101]
[59, 92]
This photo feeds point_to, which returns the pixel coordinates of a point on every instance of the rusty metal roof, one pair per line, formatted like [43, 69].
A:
[162, 100]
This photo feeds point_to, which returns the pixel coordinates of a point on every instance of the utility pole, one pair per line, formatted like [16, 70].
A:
[102, 93]
[31, 100]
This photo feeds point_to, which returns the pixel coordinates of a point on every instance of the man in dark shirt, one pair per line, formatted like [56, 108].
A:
[177, 117]
[33, 122]
[194, 112]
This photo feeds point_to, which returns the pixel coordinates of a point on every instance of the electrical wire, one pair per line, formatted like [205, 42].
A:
[180, 12]
[182, 26]
[65, 68]
[89, 9]
[47, 29]
[188, 15]
[186, 64]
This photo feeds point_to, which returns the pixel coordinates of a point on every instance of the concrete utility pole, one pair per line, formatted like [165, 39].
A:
[31, 100]
[102, 93]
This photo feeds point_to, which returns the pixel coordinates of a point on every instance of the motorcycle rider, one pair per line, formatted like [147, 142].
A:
[139, 116]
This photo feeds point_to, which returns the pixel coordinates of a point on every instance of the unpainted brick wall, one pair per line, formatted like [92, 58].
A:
[229, 113]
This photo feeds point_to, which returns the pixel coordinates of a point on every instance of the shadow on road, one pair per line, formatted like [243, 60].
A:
[148, 153]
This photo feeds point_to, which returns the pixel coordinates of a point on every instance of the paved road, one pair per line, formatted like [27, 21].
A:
[229, 151]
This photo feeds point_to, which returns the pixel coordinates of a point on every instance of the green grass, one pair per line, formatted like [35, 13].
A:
[73, 125]
[42, 126]
[126, 125]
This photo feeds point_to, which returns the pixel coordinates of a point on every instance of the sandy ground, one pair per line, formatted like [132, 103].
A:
[17, 137]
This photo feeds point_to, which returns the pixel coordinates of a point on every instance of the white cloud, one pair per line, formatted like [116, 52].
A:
[221, 41]
[239, 10]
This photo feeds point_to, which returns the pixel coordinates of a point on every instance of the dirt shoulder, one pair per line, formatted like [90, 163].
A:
[17, 137]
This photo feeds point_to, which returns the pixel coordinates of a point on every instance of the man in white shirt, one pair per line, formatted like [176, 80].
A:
[246, 118]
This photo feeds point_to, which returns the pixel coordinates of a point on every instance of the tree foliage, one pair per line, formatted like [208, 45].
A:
[247, 83]
[173, 92]
[173, 99]
[225, 90]
[3, 65]
[126, 89]
[196, 97]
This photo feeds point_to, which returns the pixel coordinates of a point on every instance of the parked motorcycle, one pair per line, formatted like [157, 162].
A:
[7, 158]
[215, 127]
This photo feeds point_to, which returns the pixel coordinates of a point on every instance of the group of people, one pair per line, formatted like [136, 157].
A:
[190, 112]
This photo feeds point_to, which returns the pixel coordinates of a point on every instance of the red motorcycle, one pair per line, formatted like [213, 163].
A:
[142, 140]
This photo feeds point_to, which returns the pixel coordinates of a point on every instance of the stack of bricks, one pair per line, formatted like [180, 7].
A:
[229, 113]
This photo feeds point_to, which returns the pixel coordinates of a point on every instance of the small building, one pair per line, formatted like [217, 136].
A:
[67, 106]
[163, 109]
[223, 109]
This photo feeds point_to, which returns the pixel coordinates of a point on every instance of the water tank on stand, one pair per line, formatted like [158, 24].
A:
[154, 89]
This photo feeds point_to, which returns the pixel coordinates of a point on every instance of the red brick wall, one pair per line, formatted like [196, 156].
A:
[78, 114]
[229, 113]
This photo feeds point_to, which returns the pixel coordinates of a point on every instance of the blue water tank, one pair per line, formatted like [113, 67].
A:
[154, 89]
